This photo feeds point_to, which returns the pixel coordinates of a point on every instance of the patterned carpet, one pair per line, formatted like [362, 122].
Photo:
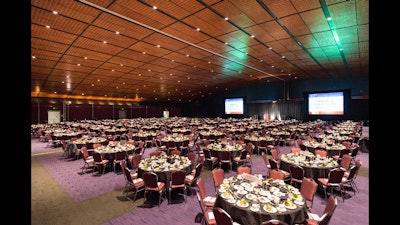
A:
[87, 187]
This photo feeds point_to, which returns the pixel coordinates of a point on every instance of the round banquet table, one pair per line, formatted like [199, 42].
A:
[216, 148]
[332, 150]
[271, 192]
[164, 165]
[314, 166]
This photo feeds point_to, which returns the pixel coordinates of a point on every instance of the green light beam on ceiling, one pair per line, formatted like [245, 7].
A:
[334, 33]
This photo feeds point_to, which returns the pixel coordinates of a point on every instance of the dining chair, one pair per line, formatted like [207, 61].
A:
[295, 150]
[308, 189]
[333, 181]
[119, 157]
[273, 222]
[338, 157]
[262, 146]
[226, 159]
[321, 152]
[275, 154]
[241, 159]
[355, 148]
[135, 162]
[218, 175]
[176, 182]
[266, 162]
[208, 200]
[88, 161]
[296, 174]
[276, 174]
[315, 219]
[222, 217]
[275, 165]
[191, 179]
[244, 169]
[174, 152]
[152, 184]
[171, 146]
[154, 153]
[184, 147]
[99, 161]
[212, 160]
[192, 157]
[349, 177]
[136, 183]
[346, 162]
[208, 215]
[133, 173]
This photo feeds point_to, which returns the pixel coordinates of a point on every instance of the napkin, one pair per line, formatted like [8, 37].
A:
[252, 178]
[209, 199]
[211, 215]
[137, 180]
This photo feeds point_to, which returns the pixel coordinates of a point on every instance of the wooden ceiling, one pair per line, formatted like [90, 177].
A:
[182, 50]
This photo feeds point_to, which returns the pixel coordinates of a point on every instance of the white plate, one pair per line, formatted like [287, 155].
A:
[263, 193]
[245, 184]
[255, 209]
[242, 192]
[273, 209]
[237, 187]
[221, 190]
[249, 188]
[263, 199]
[291, 207]
[250, 196]
[231, 200]
[244, 206]
[226, 195]
[281, 209]
[299, 202]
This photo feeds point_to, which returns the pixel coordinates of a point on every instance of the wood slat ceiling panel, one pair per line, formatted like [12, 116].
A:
[210, 23]
[363, 33]
[296, 25]
[178, 8]
[73, 67]
[325, 39]
[235, 14]
[96, 46]
[88, 54]
[315, 20]
[238, 39]
[51, 35]
[77, 33]
[152, 48]
[308, 41]
[113, 39]
[254, 11]
[185, 33]
[122, 64]
[213, 45]
[281, 8]
[59, 22]
[274, 29]
[143, 14]
[343, 15]
[135, 59]
[301, 7]
[362, 10]
[165, 42]
[44, 65]
[72, 9]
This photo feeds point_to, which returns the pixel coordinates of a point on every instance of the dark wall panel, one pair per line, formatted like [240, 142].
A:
[80, 112]
[103, 112]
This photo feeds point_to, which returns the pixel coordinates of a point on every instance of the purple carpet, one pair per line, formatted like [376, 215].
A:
[353, 211]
